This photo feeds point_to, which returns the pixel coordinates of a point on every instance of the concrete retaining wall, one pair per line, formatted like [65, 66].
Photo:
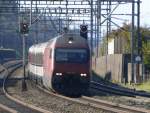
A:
[117, 67]
[110, 67]
[138, 78]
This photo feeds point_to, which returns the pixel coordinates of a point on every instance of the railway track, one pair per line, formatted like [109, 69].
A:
[8, 103]
[110, 89]
[118, 91]
[47, 101]
[100, 104]
[83, 101]
[96, 104]
[5, 109]
[113, 107]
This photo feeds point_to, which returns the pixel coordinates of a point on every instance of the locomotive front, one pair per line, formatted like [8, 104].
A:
[72, 65]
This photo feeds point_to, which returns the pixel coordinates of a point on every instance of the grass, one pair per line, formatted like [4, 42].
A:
[144, 86]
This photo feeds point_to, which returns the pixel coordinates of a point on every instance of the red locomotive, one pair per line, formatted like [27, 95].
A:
[62, 64]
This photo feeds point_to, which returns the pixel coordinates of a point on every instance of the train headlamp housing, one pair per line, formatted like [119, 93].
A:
[83, 74]
[59, 74]
[70, 40]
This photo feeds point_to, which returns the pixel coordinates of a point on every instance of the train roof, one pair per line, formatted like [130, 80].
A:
[38, 48]
[64, 40]
[71, 40]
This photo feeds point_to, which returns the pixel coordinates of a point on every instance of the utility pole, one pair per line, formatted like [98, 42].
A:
[24, 85]
[59, 20]
[139, 43]
[67, 19]
[91, 26]
[98, 25]
[132, 44]
[30, 12]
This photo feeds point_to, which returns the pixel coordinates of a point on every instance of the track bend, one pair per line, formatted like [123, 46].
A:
[47, 101]
[7, 104]
[97, 104]
[117, 108]
[100, 104]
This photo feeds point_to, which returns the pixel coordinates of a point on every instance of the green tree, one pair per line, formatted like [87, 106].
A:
[124, 33]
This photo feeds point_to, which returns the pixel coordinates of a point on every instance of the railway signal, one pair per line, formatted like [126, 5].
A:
[83, 31]
[24, 28]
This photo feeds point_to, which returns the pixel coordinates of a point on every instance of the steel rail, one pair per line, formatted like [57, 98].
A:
[118, 108]
[7, 109]
[10, 101]
[122, 91]
[99, 104]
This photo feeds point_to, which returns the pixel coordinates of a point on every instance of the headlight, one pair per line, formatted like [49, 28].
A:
[83, 74]
[58, 74]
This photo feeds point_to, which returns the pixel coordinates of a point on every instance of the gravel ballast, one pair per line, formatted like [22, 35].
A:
[45, 101]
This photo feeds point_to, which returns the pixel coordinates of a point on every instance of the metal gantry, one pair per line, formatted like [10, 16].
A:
[46, 17]
[97, 14]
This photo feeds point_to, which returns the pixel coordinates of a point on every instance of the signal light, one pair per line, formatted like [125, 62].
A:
[24, 28]
[83, 31]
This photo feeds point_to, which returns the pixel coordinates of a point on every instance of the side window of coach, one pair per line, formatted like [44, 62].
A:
[50, 53]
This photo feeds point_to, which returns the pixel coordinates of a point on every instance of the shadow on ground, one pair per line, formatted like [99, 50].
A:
[104, 81]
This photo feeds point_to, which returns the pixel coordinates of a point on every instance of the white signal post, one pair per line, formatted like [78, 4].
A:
[24, 85]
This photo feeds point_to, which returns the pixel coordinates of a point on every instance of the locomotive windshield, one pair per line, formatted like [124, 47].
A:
[71, 55]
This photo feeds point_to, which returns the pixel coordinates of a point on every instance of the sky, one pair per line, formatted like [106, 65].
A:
[145, 13]
[127, 9]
